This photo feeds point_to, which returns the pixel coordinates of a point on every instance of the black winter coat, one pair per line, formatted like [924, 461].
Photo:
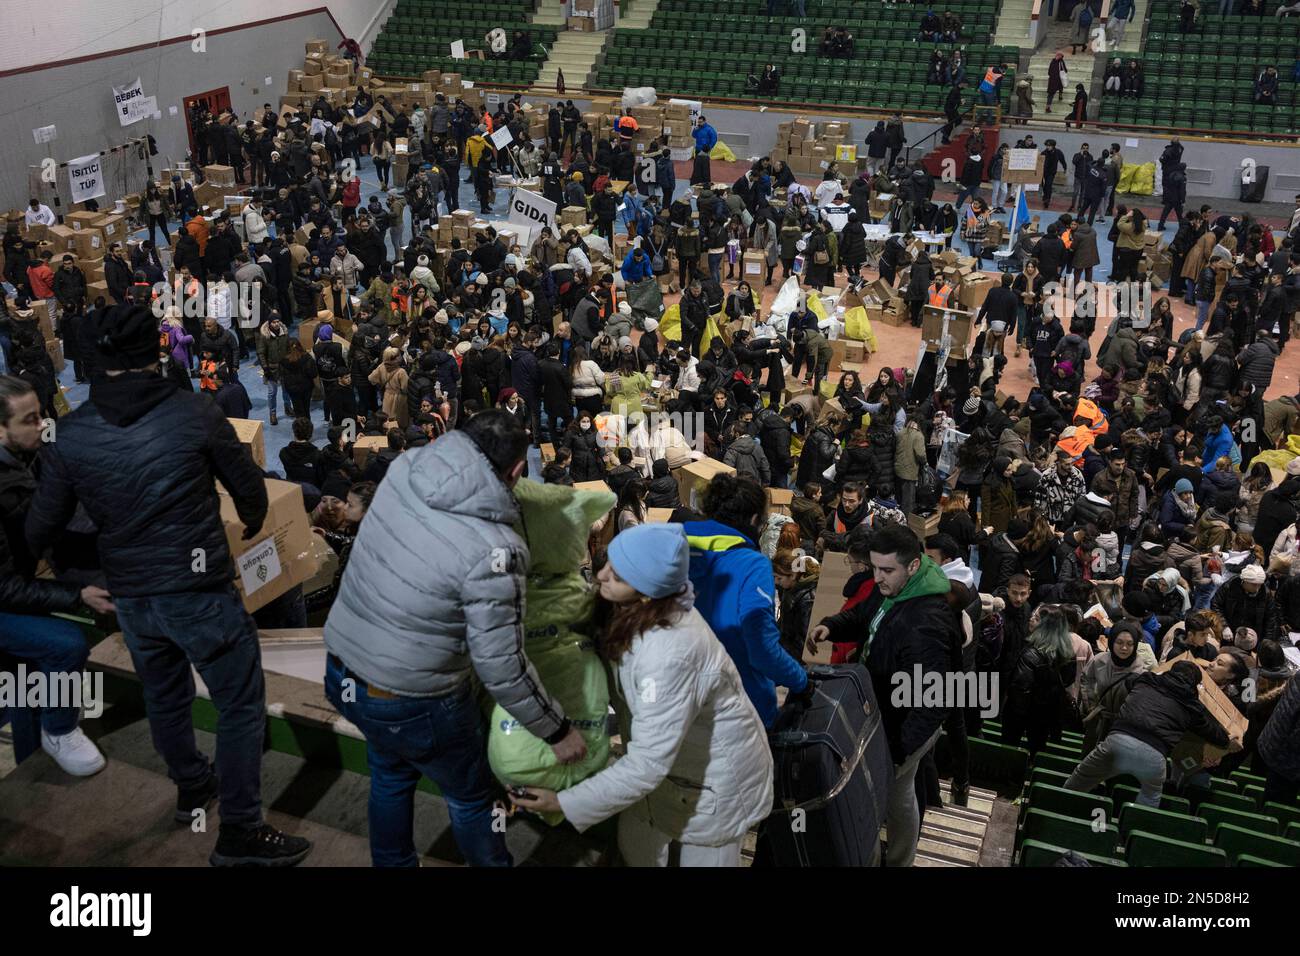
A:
[141, 457]
[1161, 708]
[588, 464]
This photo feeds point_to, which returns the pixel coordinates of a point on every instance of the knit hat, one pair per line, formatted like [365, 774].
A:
[325, 333]
[1245, 637]
[653, 558]
[127, 337]
[1017, 528]
[422, 260]
[1252, 574]
[1182, 486]
[1293, 466]
[1137, 604]
[651, 325]
[971, 406]
[625, 341]
[624, 308]
[336, 486]
[463, 347]
[510, 283]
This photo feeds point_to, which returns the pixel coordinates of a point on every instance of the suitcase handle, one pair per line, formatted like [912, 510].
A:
[847, 767]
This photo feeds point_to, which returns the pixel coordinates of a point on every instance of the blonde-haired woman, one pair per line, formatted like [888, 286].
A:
[392, 379]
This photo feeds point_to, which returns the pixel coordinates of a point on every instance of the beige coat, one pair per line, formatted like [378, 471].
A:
[392, 379]
[1198, 257]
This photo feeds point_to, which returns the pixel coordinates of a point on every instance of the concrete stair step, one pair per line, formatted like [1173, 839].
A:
[963, 841]
[943, 851]
[925, 859]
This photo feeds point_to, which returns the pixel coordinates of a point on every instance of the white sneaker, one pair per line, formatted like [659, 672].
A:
[75, 753]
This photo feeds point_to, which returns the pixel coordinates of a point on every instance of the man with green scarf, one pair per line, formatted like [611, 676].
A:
[907, 631]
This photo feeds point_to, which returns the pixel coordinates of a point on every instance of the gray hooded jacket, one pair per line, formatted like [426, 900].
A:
[435, 586]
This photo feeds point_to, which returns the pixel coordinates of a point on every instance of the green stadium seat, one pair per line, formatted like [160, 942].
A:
[1216, 815]
[1073, 803]
[1247, 860]
[1236, 840]
[1064, 831]
[1150, 849]
[1287, 814]
[1135, 816]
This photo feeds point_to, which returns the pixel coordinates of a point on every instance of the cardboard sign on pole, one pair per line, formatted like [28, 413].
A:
[1023, 166]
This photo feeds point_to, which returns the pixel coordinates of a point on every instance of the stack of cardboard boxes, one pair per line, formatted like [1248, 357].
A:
[590, 15]
[808, 148]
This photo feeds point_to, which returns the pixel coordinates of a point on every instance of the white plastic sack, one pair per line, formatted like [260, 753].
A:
[638, 96]
[787, 299]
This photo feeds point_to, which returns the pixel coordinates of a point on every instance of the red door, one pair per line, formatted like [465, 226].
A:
[214, 100]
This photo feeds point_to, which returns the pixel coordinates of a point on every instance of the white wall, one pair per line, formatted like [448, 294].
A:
[41, 31]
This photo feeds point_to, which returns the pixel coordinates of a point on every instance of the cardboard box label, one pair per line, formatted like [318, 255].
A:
[259, 565]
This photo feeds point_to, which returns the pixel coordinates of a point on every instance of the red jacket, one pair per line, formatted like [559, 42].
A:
[845, 653]
[352, 193]
[41, 279]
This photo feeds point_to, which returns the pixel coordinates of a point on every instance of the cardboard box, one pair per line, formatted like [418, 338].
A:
[81, 220]
[318, 46]
[40, 314]
[367, 445]
[280, 556]
[658, 515]
[694, 477]
[974, 290]
[92, 269]
[854, 351]
[959, 328]
[88, 243]
[55, 351]
[336, 81]
[582, 24]
[251, 437]
[60, 238]
[114, 228]
[312, 84]
[924, 525]
[779, 500]
[573, 216]
[95, 289]
[754, 263]
[452, 79]
[1191, 753]
[548, 453]
[219, 175]
[828, 598]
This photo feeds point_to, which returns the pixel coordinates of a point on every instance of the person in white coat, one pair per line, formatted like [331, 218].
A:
[255, 231]
[697, 774]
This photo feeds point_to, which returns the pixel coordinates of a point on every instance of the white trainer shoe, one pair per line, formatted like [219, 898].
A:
[74, 752]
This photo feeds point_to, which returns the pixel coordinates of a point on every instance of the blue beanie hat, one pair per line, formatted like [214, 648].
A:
[1182, 486]
[325, 333]
[653, 558]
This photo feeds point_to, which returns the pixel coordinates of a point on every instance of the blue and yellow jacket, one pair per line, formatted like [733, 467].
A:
[736, 594]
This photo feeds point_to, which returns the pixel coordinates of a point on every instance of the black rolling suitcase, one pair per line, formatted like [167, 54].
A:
[833, 774]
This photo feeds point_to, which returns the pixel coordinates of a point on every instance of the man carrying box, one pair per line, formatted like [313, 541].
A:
[141, 457]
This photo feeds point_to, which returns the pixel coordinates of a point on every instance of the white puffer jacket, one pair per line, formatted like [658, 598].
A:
[698, 766]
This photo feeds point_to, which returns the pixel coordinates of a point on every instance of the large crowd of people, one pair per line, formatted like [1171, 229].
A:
[1116, 516]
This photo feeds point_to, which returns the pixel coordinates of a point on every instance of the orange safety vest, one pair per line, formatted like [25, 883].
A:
[1067, 238]
[1097, 422]
[1074, 445]
[939, 297]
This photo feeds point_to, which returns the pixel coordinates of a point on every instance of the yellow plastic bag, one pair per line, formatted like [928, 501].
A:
[711, 329]
[1293, 444]
[827, 390]
[858, 326]
[1144, 180]
[723, 152]
[670, 324]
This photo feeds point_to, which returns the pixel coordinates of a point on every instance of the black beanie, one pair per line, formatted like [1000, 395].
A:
[126, 337]
[336, 486]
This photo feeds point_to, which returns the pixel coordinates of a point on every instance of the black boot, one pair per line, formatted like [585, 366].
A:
[960, 794]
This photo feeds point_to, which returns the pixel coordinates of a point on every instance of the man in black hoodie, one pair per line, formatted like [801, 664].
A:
[1160, 709]
[663, 489]
[142, 458]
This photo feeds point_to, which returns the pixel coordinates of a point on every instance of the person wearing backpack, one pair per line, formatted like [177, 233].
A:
[332, 368]
[1081, 26]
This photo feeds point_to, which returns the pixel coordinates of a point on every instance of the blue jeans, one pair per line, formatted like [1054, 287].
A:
[54, 646]
[797, 8]
[442, 738]
[272, 387]
[166, 633]
[715, 266]
[1117, 755]
[1202, 312]
[1225, 8]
